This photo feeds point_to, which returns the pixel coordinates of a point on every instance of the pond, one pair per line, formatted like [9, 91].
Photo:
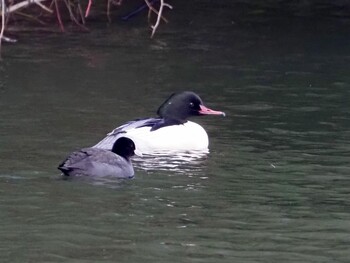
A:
[274, 187]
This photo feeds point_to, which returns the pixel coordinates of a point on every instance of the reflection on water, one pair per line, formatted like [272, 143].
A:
[188, 163]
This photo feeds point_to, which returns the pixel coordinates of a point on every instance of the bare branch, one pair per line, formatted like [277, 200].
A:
[87, 11]
[44, 7]
[73, 18]
[160, 11]
[3, 6]
[58, 14]
[152, 9]
[22, 4]
[80, 11]
[8, 39]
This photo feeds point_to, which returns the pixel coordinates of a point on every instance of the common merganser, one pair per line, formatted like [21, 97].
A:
[171, 131]
[100, 162]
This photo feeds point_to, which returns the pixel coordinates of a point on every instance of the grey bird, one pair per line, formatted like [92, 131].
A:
[100, 162]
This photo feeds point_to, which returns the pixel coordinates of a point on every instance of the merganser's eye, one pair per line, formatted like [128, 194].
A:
[191, 104]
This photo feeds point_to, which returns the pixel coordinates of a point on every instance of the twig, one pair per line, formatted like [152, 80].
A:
[147, 5]
[8, 39]
[31, 17]
[152, 9]
[109, 11]
[59, 16]
[2, 21]
[44, 7]
[81, 13]
[22, 4]
[72, 16]
[87, 12]
[160, 11]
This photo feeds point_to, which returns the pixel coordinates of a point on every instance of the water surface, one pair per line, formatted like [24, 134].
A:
[275, 186]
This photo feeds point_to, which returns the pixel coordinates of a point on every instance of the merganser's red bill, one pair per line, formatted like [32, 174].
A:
[206, 111]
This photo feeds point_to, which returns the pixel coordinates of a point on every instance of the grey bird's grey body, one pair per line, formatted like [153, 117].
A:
[100, 162]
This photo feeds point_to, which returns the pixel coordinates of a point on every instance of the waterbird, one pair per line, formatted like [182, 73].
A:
[171, 131]
[100, 162]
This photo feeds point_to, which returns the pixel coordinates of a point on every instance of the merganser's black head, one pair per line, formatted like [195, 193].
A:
[181, 106]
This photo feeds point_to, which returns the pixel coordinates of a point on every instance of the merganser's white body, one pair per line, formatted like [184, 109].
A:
[187, 137]
[171, 132]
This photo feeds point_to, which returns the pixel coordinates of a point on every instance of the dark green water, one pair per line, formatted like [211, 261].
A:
[275, 187]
